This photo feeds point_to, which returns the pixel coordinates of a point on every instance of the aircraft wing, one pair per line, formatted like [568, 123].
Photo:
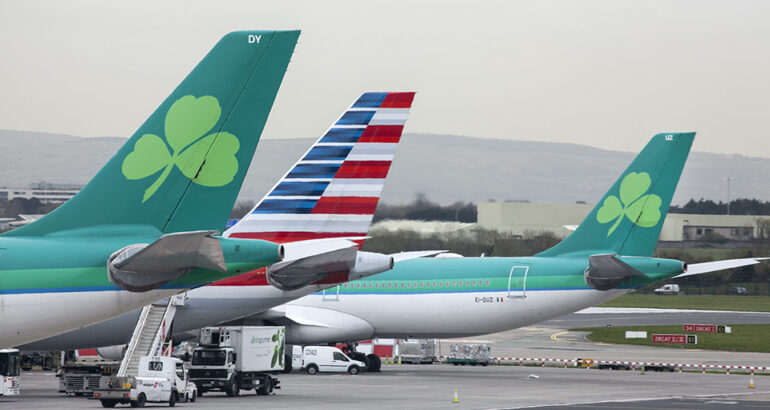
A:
[312, 261]
[141, 267]
[403, 256]
[196, 249]
[706, 267]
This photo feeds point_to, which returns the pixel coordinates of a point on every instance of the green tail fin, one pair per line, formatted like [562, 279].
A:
[628, 220]
[182, 170]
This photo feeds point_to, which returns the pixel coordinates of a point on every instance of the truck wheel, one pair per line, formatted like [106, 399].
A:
[376, 363]
[354, 370]
[194, 397]
[199, 393]
[266, 387]
[287, 364]
[140, 401]
[172, 399]
[109, 403]
[312, 369]
[234, 389]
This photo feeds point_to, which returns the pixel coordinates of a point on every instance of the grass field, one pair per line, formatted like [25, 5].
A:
[738, 303]
[744, 338]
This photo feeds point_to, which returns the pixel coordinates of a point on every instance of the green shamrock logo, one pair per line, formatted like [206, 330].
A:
[643, 210]
[187, 121]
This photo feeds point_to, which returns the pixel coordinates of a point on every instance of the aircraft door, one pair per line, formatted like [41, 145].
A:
[517, 282]
[331, 294]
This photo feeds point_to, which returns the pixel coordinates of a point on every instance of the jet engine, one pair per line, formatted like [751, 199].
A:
[369, 263]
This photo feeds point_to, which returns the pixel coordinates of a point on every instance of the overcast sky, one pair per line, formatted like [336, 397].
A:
[603, 73]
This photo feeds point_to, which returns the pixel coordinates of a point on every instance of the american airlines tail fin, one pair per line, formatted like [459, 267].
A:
[183, 168]
[333, 190]
[628, 220]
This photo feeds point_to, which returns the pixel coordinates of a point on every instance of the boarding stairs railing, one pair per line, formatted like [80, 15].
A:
[151, 335]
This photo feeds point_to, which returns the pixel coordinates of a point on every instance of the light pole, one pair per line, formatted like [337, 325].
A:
[728, 195]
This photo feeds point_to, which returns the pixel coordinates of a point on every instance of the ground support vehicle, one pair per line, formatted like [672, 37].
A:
[9, 372]
[160, 379]
[81, 378]
[670, 289]
[317, 359]
[231, 358]
[417, 351]
[461, 354]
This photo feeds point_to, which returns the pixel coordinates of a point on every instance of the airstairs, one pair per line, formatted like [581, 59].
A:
[152, 335]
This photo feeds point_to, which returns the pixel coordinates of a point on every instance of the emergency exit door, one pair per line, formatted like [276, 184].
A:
[331, 295]
[517, 282]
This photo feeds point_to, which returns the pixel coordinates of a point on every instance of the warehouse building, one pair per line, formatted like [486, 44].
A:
[561, 219]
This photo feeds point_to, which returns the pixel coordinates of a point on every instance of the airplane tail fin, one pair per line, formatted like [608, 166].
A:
[183, 168]
[628, 220]
[333, 190]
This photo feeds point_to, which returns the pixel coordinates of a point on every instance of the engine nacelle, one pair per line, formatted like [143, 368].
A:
[115, 352]
[368, 264]
[138, 281]
[312, 325]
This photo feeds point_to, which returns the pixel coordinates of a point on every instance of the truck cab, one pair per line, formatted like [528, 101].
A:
[329, 359]
[9, 372]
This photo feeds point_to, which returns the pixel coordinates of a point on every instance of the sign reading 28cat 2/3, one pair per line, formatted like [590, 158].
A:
[675, 339]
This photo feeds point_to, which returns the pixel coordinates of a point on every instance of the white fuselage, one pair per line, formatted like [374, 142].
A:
[456, 314]
[28, 317]
[204, 306]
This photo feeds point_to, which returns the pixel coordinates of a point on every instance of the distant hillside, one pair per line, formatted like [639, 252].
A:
[446, 168]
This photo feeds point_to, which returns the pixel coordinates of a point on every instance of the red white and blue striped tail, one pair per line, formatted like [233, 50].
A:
[333, 190]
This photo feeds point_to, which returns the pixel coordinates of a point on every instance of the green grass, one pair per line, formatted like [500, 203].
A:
[737, 303]
[744, 338]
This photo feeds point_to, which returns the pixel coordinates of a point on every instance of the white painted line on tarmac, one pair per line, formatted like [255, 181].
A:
[602, 310]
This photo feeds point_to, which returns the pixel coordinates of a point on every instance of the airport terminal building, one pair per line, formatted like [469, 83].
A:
[561, 219]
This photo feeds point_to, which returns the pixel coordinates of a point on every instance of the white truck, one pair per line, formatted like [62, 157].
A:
[160, 379]
[329, 359]
[231, 358]
[9, 372]
[670, 289]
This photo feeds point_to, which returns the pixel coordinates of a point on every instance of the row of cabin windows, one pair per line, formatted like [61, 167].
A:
[415, 285]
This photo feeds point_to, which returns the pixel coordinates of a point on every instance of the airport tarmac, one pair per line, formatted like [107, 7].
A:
[432, 386]
[552, 339]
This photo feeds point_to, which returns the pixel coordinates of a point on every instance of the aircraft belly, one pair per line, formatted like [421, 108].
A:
[205, 306]
[56, 313]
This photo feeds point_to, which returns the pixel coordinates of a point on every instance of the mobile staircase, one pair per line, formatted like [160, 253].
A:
[151, 336]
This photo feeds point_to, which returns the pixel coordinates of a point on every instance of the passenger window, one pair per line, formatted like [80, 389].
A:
[454, 283]
[340, 356]
[467, 283]
[446, 284]
[487, 282]
[409, 285]
[434, 284]
[422, 284]
[441, 284]
[390, 284]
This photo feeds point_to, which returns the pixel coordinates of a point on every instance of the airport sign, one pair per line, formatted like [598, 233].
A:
[701, 328]
[707, 328]
[675, 339]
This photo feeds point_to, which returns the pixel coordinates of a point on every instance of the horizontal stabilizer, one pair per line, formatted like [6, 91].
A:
[142, 267]
[327, 257]
[706, 267]
[606, 271]
[403, 256]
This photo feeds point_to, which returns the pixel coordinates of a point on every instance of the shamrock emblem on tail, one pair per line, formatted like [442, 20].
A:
[642, 210]
[187, 121]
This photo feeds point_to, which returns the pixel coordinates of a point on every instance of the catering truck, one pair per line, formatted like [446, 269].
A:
[160, 379]
[231, 358]
[9, 372]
